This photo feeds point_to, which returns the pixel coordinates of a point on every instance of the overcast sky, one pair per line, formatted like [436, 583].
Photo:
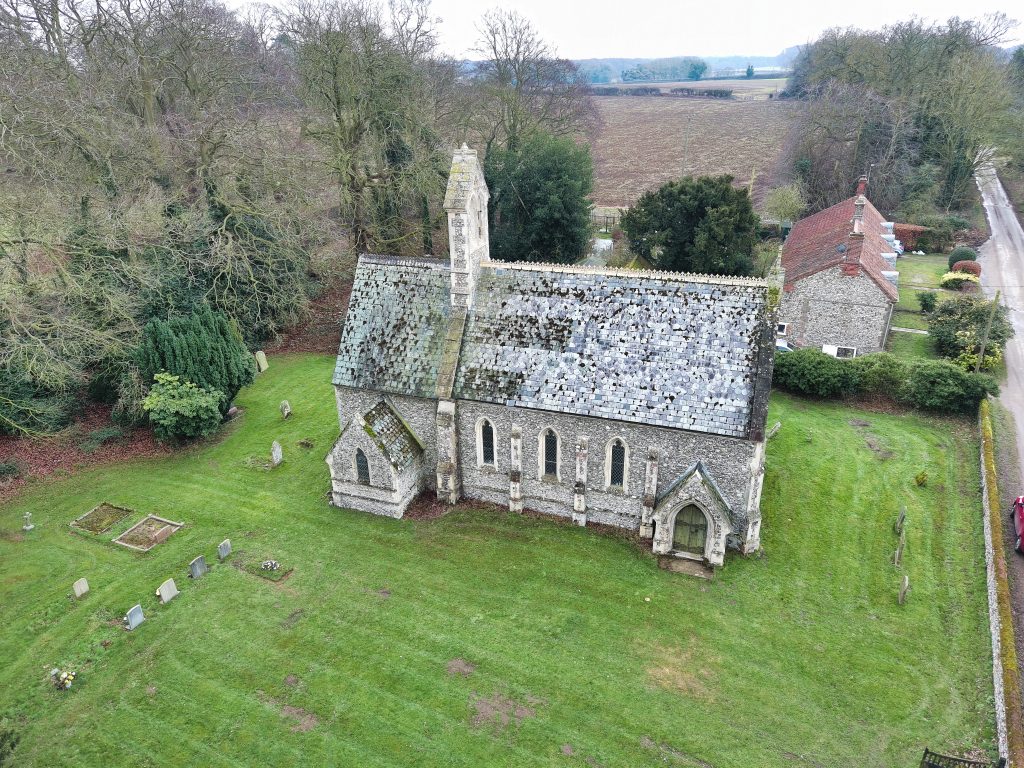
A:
[653, 28]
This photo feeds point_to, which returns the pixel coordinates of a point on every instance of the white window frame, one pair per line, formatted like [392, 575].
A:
[608, 465]
[480, 463]
[541, 454]
[781, 329]
[833, 351]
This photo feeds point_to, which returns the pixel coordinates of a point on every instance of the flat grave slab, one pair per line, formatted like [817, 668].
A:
[147, 533]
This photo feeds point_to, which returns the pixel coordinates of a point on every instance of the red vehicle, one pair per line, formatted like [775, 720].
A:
[1017, 515]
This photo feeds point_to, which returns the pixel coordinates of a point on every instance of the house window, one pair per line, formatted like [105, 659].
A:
[486, 443]
[362, 467]
[615, 461]
[844, 353]
[782, 328]
[550, 453]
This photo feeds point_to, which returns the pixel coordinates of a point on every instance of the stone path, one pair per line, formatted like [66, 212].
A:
[908, 330]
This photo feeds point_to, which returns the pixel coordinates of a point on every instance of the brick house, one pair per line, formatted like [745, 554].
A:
[627, 398]
[841, 281]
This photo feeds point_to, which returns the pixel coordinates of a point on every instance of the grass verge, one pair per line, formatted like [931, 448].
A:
[1011, 671]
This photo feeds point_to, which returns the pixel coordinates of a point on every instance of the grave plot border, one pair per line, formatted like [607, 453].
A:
[128, 511]
[175, 526]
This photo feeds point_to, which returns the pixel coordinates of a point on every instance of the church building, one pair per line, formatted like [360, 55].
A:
[629, 398]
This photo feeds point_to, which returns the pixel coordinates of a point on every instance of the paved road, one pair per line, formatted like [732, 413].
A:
[1002, 260]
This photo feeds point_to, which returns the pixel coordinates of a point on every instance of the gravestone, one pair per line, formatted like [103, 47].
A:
[899, 553]
[261, 361]
[286, 409]
[28, 522]
[134, 617]
[167, 591]
[198, 568]
[904, 588]
[224, 549]
[901, 520]
[80, 587]
[161, 536]
[276, 454]
[774, 430]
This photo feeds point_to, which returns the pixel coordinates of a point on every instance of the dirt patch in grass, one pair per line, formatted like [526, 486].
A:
[859, 423]
[461, 667]
[293, 619]
[687, 669]
[291, 681]
[102, 518]
[498, 711]
[305, 720]
[878, 448]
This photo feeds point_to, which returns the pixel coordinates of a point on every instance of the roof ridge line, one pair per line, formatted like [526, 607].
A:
[690, 277]
[411, 261]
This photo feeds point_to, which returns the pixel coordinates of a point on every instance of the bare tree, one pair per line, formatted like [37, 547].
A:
[523, 85]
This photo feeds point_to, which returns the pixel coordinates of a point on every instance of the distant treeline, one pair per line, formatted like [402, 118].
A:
[644, 90]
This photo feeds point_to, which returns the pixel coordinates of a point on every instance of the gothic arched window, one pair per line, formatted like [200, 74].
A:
[550, 453]
[486, 443]
[362, 467]
[617, 464]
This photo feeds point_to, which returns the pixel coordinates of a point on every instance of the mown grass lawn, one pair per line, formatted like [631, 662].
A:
[800, 657]
[911, 346]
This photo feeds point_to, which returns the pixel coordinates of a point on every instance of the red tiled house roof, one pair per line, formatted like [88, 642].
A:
[827, 240]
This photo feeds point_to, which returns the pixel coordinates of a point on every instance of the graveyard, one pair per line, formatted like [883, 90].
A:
[488, 638]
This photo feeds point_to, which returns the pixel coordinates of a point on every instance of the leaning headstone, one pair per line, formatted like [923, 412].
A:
[198, 568]
[224, 549]
[80, 587]
[161, 536]
[904, 588]
[276, 454]
[286, 409]
[261, 361]
[901, 520]
[898, 557]
[167, 591]
[134, 617]
[774, 430]
[28, 522]
[232, 411]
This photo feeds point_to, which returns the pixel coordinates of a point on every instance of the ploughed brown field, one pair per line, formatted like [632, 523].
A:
[645, 141]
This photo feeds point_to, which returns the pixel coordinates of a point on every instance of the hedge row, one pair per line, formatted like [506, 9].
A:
[1011, 678]
[650, 90]
[930, 385]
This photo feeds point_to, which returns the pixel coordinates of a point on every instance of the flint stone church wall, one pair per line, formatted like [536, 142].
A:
[728, 460]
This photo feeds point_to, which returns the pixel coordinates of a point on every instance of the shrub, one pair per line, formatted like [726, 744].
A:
[927, 301]
[957, 324]
[8, 470]
[921, 479]
[970, 267]
[962, 253]
[202, 348]
[936, 385]
[955, 281]
[181, 410]
[812, 372]
[28, 407]
[879, 374]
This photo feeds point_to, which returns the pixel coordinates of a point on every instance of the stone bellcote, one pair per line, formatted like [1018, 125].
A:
[465, 201]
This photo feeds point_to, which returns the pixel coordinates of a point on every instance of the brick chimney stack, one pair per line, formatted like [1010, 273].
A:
[862, 185]
[858, 215]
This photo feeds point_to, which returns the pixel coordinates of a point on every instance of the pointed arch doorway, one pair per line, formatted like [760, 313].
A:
[690, 530]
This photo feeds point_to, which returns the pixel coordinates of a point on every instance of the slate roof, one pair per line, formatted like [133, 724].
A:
[653, 348]
[394, 333]
[812, 245]
[391, 434]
